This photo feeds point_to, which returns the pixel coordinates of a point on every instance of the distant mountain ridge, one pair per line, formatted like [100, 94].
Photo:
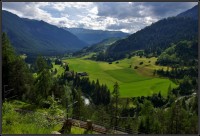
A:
[95, 36]
[158, 35]
[38, 37]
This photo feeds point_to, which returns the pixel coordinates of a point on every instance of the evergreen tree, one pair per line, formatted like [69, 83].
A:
[67, 68]
[41, 64]
[116, 94]
[8, 57]
[21, 79]
[78, 106]
[16, 74]
[44, 79]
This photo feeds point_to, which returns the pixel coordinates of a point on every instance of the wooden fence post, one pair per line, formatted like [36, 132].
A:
[66, 128]
[89, 125]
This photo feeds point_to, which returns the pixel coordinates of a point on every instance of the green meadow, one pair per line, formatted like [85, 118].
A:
[133, 82]
[59, 68]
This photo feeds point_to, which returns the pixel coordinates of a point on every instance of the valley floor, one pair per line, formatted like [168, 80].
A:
[133, 82]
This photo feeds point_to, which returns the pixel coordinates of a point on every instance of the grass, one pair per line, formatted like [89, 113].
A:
[25, 123]
[59, 68]
[133, 82]
[22, 105]
[77, 130]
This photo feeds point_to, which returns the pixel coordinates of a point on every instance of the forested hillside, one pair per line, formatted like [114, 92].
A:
[192, 13]
[184, 53]
[98, 47]
[158, 35]
[38, 37]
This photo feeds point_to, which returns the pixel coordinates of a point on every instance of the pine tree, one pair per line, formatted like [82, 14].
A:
[67, 68]
[16, 74]
[41, 64]
[116, 94]
[78, 107]
[8, 57]
[44, 80]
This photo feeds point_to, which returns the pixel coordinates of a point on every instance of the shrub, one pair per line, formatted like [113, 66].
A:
[141, 63]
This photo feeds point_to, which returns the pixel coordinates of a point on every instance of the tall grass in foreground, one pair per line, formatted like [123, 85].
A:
[31, 123]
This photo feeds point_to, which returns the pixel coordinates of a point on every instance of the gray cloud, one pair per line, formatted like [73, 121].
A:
[141, 9]
[120, 10]
[166, 9]
[125, 16]
[130, 24]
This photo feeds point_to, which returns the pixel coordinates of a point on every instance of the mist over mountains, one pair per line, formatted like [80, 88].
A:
[94, 36]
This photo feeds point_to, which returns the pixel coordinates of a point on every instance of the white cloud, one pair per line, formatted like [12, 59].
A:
[124, 16]
[94, 10]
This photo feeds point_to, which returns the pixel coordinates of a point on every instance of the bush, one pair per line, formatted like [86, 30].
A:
[141, 63]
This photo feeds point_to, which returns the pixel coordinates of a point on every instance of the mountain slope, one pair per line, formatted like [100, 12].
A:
[95, 36]
[192, 13]
[98, 47]
[184, 53]
[159, 34]
[38, 37]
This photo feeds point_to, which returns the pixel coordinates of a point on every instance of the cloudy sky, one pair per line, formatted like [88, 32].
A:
[123, 16]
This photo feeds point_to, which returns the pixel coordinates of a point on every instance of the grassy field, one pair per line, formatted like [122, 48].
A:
[59, 68]
[77, 130]
[133, 82]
